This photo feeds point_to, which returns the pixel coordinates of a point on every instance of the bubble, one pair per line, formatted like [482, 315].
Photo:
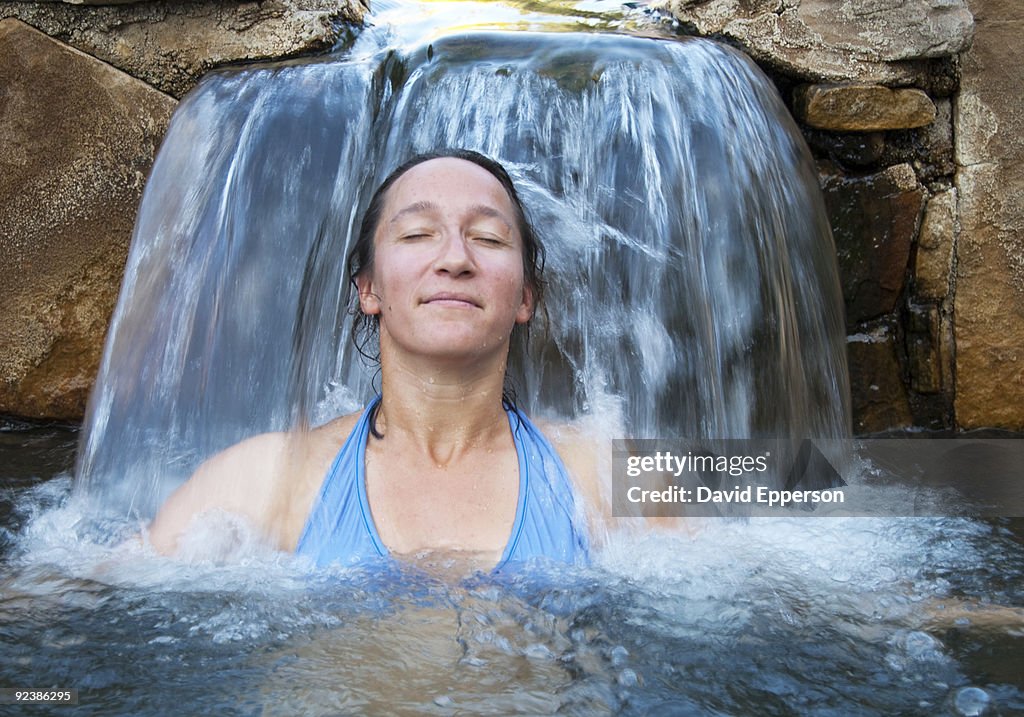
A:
[629, 678]
[921, 645]
[971, 701]
[619, 655]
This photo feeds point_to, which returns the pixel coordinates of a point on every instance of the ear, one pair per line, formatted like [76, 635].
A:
[525, 312]
[369, 302]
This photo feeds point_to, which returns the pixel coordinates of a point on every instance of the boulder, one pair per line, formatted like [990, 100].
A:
[171, 43]
[834, 40]
[862, 107]
[989, 299]
[874, 221]
[79, 138]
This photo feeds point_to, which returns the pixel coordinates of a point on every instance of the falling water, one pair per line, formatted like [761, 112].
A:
[692, 277]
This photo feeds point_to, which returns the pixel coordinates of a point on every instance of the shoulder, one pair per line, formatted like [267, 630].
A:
[239, 479]
[270, 480]
[582, 456]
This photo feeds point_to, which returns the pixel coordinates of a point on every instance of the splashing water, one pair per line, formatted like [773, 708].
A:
[768, 617]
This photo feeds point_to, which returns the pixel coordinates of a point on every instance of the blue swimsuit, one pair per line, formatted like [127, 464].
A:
[341, 529]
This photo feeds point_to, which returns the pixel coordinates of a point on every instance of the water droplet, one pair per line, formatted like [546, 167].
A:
[619, 655]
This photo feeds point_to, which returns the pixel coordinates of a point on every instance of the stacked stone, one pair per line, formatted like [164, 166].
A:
[922, 181]
[919, 139]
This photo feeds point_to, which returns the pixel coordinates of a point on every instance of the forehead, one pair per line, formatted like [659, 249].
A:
[449, 183]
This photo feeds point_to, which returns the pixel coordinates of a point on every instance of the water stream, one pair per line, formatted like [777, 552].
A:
[692, 291]
[692, 277]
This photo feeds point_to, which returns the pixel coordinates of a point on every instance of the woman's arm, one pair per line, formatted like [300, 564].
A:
[242, 480]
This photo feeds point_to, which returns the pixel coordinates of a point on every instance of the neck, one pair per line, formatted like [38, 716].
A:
[444, 412]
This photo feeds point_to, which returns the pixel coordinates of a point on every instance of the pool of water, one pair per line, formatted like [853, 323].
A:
[832, 616]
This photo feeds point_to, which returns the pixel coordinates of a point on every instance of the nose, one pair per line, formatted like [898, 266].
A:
[454, 255]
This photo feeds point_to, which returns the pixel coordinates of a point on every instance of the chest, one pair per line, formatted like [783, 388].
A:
[468, 504]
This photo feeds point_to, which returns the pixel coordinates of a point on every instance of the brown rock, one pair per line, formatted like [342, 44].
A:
[989, 301]
[924, 346]
[934, 261]
[79, 138]
[878, 395]
[171, 43]
[874, 221]
[835, 40]
[862, 108]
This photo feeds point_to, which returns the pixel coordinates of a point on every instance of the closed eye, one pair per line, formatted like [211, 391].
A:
[490, 240]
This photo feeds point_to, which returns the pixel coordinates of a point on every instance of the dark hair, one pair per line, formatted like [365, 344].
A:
[361, 256]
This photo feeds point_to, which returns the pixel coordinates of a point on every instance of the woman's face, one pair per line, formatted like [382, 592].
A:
[447, 276]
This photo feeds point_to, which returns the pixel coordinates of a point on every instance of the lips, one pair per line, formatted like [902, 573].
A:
[452, 298]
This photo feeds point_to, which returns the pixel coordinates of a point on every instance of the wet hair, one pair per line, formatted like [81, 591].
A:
[360, 259]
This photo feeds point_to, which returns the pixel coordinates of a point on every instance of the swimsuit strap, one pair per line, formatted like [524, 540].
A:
[341, 528]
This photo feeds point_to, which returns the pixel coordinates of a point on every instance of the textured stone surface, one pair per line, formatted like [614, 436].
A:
[170, 44]
[79, 138]
[862, 108]
[924, 347]
[934, 261]
[874, 222]
[876, 383]
[928, 149]
[831, 40]
[989, 302]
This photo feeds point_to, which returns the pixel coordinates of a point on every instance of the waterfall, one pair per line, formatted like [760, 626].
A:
[692, 287]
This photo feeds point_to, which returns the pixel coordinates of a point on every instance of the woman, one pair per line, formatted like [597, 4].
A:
[445, 266]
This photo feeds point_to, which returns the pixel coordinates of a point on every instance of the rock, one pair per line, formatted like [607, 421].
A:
[928, 149]
[171, 43]
[862, 108]
[79, 138]
[924, 342]
[874, 222]
[989, 300]
[878, 395]
[835, 40]
[854, 150]
[931, 147]
[934, 263]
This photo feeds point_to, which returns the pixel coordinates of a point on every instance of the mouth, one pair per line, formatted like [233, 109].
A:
[452, 299]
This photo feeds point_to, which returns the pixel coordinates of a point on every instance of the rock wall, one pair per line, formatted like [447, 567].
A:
[86, 93]
[918, 135]
[989, 195]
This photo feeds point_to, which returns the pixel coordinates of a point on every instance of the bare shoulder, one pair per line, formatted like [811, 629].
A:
[588, 456]
[325, 441]
[239, 480]
[270, 480]
[582, 455]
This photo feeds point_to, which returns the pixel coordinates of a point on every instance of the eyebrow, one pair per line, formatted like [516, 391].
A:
[426, 206]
